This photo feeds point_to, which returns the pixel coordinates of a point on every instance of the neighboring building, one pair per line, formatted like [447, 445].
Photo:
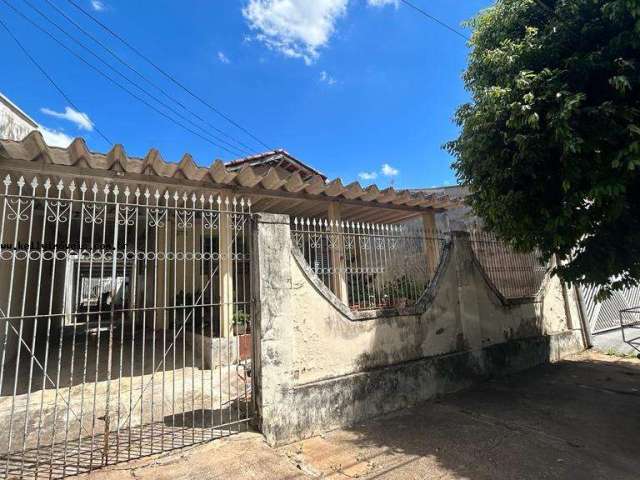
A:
[278, 159]
[14, 123]
[459, 218]
[148, 305]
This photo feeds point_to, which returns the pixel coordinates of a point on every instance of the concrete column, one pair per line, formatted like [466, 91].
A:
[273, 330]
[337, 254]
[225, 249]
[430, 243]
[467, 285]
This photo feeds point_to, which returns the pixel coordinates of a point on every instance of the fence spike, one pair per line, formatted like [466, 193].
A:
[34, 182]
[7, 180]
[83, 187]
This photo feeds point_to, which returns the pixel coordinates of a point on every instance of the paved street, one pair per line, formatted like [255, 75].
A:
[577, 419]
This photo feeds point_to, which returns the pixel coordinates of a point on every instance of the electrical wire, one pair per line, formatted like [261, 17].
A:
[49, 78]
[144, 77]
[127, 79]
[115, 82]
[166, 74]
[438, 21]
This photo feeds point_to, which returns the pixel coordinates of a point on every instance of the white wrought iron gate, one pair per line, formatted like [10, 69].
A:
[125, 323]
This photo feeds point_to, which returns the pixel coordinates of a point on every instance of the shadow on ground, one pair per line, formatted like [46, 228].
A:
[576, 419]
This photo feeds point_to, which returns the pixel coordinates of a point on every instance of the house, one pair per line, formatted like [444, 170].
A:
[147, 304]
[14, 123]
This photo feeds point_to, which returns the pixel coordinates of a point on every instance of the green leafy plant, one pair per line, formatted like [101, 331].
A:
[549, 144]
[240, 321]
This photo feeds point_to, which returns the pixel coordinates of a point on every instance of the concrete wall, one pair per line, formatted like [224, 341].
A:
[319, 366]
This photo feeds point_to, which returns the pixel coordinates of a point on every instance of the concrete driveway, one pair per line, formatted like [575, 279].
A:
[579, 419]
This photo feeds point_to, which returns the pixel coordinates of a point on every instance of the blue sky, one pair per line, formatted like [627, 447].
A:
[348, 86]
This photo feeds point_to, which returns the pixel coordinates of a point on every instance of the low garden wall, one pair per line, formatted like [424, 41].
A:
[319, 366]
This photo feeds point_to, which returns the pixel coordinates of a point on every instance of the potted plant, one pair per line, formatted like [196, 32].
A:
[240, 322]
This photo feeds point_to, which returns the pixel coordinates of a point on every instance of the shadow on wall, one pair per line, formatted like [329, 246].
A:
[344, 368]
[480, 337]
[538, 424]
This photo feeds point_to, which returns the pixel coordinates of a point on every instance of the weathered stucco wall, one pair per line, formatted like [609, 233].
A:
[318, 366]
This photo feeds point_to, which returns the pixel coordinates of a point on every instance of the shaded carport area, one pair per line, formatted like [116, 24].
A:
[577, 419]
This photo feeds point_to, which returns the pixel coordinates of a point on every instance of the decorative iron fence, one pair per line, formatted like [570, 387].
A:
[370, 266]
[124, 315]
[513, 274]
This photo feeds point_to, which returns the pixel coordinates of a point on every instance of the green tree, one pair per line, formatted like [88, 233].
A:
[549, 144]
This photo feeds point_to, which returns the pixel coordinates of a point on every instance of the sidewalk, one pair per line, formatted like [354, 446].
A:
[576, 419]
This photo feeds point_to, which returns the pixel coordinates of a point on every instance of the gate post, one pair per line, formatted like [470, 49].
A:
[225, 241]
[337, 255]
[430, 243]
[273, 331]
[468, 306]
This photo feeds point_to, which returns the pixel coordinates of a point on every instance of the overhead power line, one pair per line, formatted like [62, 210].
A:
[431, 17]
[144, 77]
[166, 74]
[115, 82]
[49, 78]
[127, 79]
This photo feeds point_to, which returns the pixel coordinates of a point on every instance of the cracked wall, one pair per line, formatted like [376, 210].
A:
[319, 367]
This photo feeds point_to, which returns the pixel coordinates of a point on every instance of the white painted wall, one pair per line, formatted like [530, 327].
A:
[14, 123]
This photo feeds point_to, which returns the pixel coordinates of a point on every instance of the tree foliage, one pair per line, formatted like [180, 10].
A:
[549, 144]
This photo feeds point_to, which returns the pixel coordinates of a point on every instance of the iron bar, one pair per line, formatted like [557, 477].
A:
[384, 265]
[114, 278]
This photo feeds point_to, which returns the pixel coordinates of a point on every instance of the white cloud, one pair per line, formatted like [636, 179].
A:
[97, 5]
[368, 175]
[295, 28]
[326, 78]
[223, 58]
[55, 138]
[81, 120]
[382, 3]
[389, 171]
